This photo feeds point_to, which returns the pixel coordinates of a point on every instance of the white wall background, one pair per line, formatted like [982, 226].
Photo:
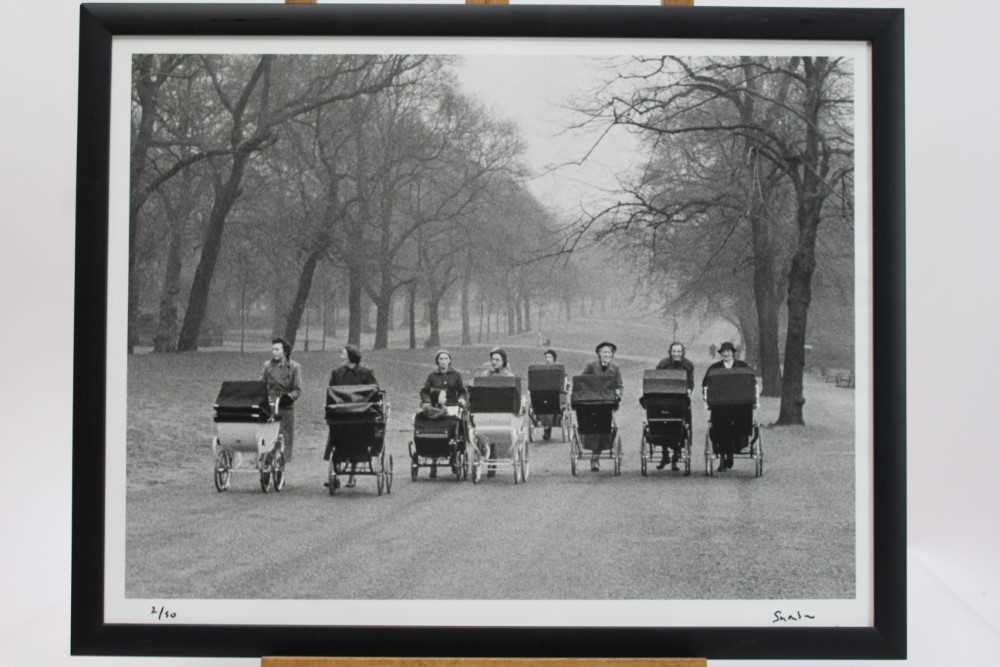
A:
[953, 130]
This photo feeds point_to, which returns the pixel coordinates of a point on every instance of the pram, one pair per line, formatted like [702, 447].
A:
[356, 416]
[498, 420]
[667, 429]
[440, 439]
[247, 424]
[549, 406]
[594, 401]
[733, 423]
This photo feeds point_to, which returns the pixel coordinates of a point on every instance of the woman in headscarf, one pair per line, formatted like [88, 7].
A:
[498, 363]
[677, 359]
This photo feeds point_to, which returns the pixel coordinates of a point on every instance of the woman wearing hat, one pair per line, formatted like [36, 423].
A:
[725, 439]
[603, 366]
[351, 372]
[677, 359]
[284, 382]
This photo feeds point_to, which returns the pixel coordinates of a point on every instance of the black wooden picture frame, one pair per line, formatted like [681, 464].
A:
[882, 29]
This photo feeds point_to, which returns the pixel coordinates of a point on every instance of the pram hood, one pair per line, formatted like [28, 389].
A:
[495, 393]
[353, 402]
[242, 400]
[664, 382]
[593, 390]
[731, 386]
[546, 377]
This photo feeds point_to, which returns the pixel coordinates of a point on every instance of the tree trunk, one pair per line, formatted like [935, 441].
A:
[479, 336]
[146, 92]
[527, 313]
[197, 306]
[809, 199]
[434, 317]
[166, 330]
[519, 314]
[412, 314]
[766, 300]
[510, 317]
[301, 299]
[568, 303]
[466, 317]
[354, 312]
[383, 311]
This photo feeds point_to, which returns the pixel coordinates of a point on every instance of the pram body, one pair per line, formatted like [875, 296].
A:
[247, 435]
[498, 418]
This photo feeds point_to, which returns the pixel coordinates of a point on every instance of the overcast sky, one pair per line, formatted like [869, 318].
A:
[533, 92]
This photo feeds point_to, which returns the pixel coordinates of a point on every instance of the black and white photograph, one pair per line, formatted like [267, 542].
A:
[495, 326]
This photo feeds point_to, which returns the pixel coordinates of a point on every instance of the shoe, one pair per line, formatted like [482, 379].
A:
[547, 434]
[673, 461]
[595, 466]
[663, 463]
[326, 484]
[351, 483]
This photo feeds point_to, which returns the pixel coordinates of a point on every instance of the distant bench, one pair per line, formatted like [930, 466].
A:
[839, 376]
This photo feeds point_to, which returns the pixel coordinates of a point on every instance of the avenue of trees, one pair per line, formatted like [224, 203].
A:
[352, 189]
[742, 208]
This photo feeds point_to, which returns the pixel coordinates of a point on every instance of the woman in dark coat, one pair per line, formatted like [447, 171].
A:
[724, 431]
[604, 366]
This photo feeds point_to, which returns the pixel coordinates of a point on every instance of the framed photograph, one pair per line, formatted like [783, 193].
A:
[489, 331]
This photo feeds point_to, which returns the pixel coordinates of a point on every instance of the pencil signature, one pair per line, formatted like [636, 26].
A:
[784, 617]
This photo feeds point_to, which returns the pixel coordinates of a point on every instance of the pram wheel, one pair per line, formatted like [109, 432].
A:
[757, 450]
[332, 483]
[525, 464]
[643, 457]
[573, 453]
[265, 480]
[223, 469]
[278, 471]
[388, 477]
[618, 455]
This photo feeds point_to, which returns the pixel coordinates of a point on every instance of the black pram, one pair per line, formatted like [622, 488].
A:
[549, 407]
[668, 418]
[594, 399]
[733, 425]
[356, 416]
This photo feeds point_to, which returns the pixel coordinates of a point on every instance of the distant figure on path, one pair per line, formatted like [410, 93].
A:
[284, 381]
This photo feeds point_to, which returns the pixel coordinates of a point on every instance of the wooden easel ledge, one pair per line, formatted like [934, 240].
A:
[665, 3]
[482, 662]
